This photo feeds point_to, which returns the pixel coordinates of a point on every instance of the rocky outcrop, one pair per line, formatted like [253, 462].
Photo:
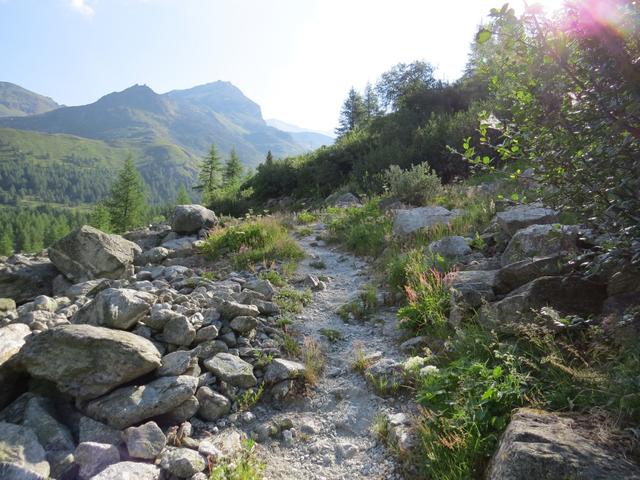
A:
[411, 220]
[516, 274]
[23, 278]
[539, 241]
[12, 338]
[87, 361]
[521, 216]
[192, 218]
[469, 291]
[87, 253]
[127, 406]
[538, 444]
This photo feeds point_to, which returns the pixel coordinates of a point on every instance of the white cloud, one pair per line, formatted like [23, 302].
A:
[82, 7]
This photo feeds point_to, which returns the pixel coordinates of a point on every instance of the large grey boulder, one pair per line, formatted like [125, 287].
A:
[409, 221]
[89, 430]
[182, 462]
[450, 247]
[12, 338]
[129, 471]
[516, 274]
[212, 404]
[280, 369]
[55, 437]
[192, 218]
[469, 290]
[343, 200]
[568, 295]
[87, 361]
[145, 441]
[23, 278]
[95, 457]
[127, 406]
[543, 445]
[232, 370]
[21, 455]
[88, 253]
[516, 218]
[540, 241]
[120, 308]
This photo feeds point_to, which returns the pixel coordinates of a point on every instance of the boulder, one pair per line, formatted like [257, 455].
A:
[182, 412]
[231, 369]
[225, 446]
[179, 331]
[12, 338]
[192, 218]
[212, 404]
[130, 471]
[409, 221]
[87, 253]
[23, 278]
[182, 462]
[95, 457]
[89, 430]
[280, 369]
[264, 287]
[7, 305]
[450, 247]
[538, 444]
[521, 216]
[343, 200]
[127, 406]
[540, 241]
[516, 274]
[87, 361]
[145, 441]
[569, 295]
[54, 437]
[174, 364]
[230, 310]
[119, 308]
[243, 324]
[469, 290]
[21, 455]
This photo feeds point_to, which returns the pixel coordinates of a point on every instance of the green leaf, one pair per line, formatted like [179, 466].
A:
[486, 160]
[483, 36]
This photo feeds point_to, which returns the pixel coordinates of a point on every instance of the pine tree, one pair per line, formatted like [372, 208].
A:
[371, 103]
[352, 113]
[127, 202]
[100, 218]
[269, 159]
[6, 242]
[210, 175]
[233, 169]
[183, 196]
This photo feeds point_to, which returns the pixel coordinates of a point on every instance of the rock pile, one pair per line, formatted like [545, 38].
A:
[135, 366]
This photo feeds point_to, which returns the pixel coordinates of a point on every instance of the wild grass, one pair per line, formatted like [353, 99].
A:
[318, 265]
[290, 345]
[274, 277]
[291, 300]
[330, 334]
[246, 467]
[250, 397]
[306, 217]
[361, 307]
[360, 362]
[314, 360]
[253, 241]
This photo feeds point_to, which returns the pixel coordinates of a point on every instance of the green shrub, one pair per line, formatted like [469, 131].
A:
[417, 186]
[274, 277]
[254, 241]
[428, 301]
[305, 218]
[244, 468]
[291, 300]
[362, 230]
[362, 306]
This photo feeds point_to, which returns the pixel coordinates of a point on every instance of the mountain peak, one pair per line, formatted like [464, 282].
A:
[18, 101]
[136, 96]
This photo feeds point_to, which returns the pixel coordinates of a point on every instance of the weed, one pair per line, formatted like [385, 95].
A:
[428, 301]
[304, 231]
[383, 385]
[290, 345]
[380, 427]
[331, 334]
[283, 321]
[244, 468]
[274, 277]
[306, 217]
[249, 398]
[252, 242]
[291, 300]
[213, 276]
[288, 269]
[313, 359]
[318, 264]
[263, 359]
[360, 362]
[361, 307]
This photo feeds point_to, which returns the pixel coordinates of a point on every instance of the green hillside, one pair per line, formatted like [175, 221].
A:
[18, 101]
[57, 168]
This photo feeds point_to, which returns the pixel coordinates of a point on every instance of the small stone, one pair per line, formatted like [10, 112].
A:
[174, 364]
[244, 324]
[182, 462]
[212, 404]
[145, 441]
[232, 369]
[95, 457]
[179, 331]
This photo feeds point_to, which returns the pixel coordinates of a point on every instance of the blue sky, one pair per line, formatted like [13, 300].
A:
[296, 58]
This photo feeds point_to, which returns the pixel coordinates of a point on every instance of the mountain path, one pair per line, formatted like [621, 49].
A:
[336, 415]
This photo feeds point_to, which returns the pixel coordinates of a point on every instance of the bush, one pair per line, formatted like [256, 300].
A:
[417, 186]
[252, 242]
[363, 230]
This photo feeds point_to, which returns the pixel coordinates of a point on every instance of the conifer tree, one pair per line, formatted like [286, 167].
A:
[183, 196]
[127, 202]
[210, 176]
[233, 169]
[269, 159]
[6, 242]
[371, 103]
[352, 113]
[100, 218]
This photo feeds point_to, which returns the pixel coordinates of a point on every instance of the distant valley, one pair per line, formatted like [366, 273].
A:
[53, 153]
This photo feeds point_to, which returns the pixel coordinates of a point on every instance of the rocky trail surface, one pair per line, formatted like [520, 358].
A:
[333, 422]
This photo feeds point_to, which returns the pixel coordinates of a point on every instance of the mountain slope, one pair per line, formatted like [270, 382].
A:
[18, 101]
[310, 139]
